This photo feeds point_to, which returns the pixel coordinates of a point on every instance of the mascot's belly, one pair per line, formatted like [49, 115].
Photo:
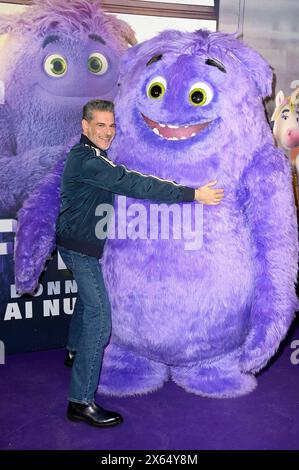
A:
[180, 306]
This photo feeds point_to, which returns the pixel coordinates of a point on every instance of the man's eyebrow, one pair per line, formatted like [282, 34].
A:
[155, 58]
[216, 63]
[96, 37]
[49, 39]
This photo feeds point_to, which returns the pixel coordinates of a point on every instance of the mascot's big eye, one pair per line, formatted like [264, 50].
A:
[97, 63]
[156, 88]
[200, 94]
[55, 65]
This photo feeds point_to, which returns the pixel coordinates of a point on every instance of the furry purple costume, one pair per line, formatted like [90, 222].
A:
[58, 55]
[208, 318]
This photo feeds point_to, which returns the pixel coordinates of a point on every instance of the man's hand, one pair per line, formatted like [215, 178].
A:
[208, 195]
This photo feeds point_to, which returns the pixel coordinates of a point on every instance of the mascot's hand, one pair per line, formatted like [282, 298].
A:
[262, 340]
[270, 322]
[256, 351]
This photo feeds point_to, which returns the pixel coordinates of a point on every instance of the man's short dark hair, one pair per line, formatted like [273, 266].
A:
[96, 105]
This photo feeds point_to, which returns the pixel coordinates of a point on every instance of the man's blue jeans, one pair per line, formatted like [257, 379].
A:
[90, 326]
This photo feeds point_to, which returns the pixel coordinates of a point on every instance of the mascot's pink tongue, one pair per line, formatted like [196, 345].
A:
[175, 132]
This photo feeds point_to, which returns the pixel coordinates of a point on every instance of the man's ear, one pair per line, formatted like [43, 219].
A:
[85, 126]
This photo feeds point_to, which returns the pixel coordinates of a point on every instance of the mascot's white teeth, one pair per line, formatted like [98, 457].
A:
[172, 132]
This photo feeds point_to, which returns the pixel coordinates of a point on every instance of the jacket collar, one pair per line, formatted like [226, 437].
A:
[86, 141]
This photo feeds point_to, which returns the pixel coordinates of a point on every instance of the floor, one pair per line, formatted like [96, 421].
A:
[33, 390]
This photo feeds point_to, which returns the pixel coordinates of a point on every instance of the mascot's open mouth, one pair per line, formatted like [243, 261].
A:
[171, 132]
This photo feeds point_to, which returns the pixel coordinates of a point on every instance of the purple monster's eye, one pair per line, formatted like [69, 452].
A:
[156, 88]
[200, 94]
[97, 63]
[55, 65]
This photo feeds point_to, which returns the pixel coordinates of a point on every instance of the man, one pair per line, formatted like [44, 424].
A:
[90, 179]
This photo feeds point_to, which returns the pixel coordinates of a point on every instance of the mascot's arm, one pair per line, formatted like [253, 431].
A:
[270, 211]
[35, 234]
[21, 173]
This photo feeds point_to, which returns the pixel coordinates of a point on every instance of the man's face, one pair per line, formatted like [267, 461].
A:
[101, 129]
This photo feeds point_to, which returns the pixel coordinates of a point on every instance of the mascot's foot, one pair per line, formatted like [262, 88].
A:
[214, 381]
[124, 374]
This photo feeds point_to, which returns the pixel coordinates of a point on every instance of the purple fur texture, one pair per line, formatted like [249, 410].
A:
[215, 315]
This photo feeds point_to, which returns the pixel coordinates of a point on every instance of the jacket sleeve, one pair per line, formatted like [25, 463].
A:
[101, 172]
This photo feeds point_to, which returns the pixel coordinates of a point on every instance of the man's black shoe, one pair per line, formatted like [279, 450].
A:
[69, 358]
[92, 414]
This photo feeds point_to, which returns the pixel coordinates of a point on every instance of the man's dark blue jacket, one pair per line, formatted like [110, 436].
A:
[90, 179]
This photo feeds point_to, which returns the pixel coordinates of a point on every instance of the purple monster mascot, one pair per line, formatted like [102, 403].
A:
[190, 109]
[58, 55]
